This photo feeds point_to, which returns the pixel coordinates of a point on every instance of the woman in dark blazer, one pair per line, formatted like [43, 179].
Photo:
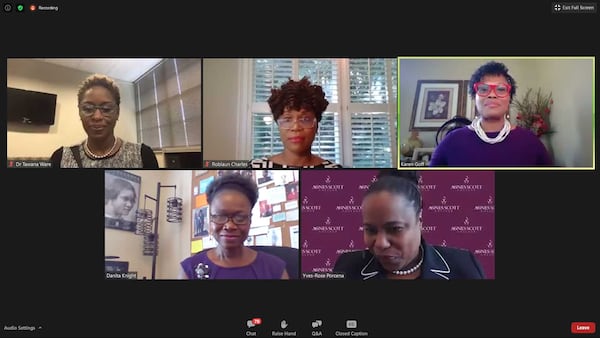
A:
[392, 221]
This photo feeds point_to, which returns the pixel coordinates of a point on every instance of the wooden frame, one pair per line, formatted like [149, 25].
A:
[436, 101]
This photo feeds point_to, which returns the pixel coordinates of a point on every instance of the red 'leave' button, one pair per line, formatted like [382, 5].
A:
[583, 327]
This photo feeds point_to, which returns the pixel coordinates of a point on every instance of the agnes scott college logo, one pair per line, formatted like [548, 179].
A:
[327, 186]
[349, 248]
[466, 185]
[466, 227]
[444, 206]
[326, 267]
[308, 252]
[428, 228]
[351, 206]
[307, 207]
[488, 251]
[426, 187]
[327, 227]
[363, 187]
[487, 207]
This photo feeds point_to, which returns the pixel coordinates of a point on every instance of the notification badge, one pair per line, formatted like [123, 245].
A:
[253, 322]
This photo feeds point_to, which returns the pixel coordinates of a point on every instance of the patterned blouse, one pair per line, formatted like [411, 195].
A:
[266, 163]
[130, 155]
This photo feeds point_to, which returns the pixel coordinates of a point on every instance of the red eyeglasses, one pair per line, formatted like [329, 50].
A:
[484, 89]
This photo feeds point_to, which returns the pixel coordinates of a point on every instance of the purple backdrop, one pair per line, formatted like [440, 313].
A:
[458, 211]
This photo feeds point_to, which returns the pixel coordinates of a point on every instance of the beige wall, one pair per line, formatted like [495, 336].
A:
[221, 108]
[569, 80]
[25, 141]
[174, 238]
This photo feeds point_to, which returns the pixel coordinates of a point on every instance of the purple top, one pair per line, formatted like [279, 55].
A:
[265, 266]
[463, 148]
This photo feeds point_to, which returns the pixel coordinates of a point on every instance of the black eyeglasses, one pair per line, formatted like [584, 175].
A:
[236, 219]
[89, 109]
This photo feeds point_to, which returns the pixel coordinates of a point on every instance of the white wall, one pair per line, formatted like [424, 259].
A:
[221, 108]
[569, 80]
[174, 238]
[30, 74]
[571, 83]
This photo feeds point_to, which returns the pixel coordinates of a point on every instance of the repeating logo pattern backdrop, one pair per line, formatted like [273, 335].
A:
[458, 211]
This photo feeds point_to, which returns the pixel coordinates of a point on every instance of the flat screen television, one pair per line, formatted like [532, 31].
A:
[30, 107]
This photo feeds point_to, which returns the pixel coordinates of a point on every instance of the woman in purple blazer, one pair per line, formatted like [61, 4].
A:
[392, 221]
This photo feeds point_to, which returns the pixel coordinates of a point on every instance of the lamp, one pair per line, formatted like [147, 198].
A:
[174, 210]
[144, 221]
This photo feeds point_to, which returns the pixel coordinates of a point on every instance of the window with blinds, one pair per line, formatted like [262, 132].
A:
[371, 111]
[362, 99]
[169, 104]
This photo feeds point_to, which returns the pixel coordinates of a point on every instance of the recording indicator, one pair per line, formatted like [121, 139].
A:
[32, 7]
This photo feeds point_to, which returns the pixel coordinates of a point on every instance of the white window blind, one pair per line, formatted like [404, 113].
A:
[169, 104]
[371, 84]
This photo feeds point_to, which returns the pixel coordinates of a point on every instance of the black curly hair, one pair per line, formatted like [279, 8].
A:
[492, 68]
[298, 95]
[399, 182]
[236, 182]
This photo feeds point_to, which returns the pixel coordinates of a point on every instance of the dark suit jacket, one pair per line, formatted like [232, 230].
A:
[439, 262]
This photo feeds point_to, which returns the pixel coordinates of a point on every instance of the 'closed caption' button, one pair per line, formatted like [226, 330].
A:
[583, 327]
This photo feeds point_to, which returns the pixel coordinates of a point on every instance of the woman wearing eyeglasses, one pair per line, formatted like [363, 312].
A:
[490, 140]
[231, 199]
[297, 108]
[98, 103]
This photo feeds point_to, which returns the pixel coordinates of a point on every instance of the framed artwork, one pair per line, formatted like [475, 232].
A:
[121, 199]
[200, 222]
[470, 110]
[436, 101]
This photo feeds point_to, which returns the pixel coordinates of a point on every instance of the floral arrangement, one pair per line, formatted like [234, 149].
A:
[533, 112]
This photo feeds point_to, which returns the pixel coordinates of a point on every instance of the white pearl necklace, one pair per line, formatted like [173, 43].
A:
[97, 157]
[411, 270]
[476, 126]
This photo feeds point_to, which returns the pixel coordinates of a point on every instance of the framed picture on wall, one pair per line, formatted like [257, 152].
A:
[121, 199]
[200, 222]
[470, 108]
[436, 101]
